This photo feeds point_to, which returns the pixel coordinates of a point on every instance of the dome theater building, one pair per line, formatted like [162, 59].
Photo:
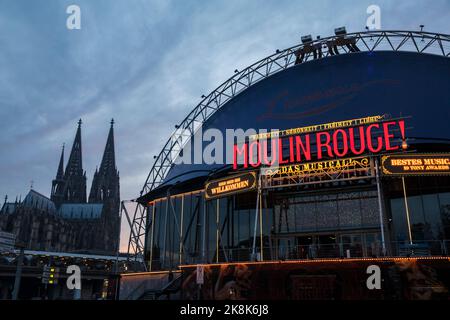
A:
[353, 171]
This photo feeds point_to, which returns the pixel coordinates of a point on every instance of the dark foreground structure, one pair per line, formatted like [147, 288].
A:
[99, 275]
[356, 173]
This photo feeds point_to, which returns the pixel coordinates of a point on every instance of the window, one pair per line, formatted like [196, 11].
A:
[429, 217]
[339, 211]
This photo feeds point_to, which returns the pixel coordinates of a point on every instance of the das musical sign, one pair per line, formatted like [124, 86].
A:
[317, 168]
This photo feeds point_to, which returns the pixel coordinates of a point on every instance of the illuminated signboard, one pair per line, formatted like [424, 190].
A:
[416, 164]
[318, 168]
[342, 139]
[230, 185]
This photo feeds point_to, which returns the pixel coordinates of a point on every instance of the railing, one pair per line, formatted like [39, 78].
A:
[318, 251]
[86, 265]
[342, 250]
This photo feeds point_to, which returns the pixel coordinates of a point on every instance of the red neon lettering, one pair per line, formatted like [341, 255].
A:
[265, 152]
[306, 151]
[369, 139]
[291, 149]
[372, 138]
[325, 144]
[237, 152]
[362, 146]
[280, 152]
[388, 136]
[251, 154]
[336, 143]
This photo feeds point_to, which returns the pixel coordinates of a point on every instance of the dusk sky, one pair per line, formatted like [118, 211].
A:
[145, 64]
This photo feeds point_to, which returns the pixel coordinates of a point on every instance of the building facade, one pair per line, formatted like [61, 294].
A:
[361, 169]
[69, 221]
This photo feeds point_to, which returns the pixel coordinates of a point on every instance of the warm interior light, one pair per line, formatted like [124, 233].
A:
[323, 260]
[404, 145]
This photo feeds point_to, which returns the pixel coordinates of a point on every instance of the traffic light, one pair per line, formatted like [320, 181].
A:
[50, 275]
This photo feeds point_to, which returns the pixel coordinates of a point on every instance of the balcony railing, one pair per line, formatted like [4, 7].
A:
[428, 248]
[340, 250]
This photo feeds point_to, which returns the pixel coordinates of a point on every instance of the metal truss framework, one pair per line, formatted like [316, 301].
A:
[138, 228]
[421, 42]
[405, 41]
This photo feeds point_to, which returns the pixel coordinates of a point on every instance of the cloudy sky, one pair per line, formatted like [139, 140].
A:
[146, 63]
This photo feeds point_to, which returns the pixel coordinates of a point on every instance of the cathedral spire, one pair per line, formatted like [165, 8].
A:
[75, 164]
[105, 184]
[106, 190]
[58, 182]
[72, 187]
[69, 186]
[60, 172]
[108, 164]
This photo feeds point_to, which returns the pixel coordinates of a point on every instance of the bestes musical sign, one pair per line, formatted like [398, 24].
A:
[416, 164]
[370, 135]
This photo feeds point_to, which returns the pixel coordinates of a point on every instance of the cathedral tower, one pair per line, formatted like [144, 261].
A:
[70, 185]
[106, 189]
[58, 183]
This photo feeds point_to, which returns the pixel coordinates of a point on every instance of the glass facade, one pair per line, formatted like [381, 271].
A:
[316, 213]
[327, 225]
[335, 222]
[175, 234]
[179, 223]
[429, 217]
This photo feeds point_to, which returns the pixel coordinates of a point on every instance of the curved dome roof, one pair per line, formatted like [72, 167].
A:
[340, 88]
[376, 79]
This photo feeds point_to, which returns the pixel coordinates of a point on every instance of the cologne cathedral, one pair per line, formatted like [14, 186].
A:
[69, 221]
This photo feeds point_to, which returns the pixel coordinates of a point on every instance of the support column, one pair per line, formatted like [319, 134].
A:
[18, 277]
[261, 242]
[181, 228]
[380, 207]
[256, 218]
[217, 229]
[163, 251]
[408, 220]
[204, 232]
[152, 236]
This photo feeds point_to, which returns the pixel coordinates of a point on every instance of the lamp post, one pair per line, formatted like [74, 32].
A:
[15, 293]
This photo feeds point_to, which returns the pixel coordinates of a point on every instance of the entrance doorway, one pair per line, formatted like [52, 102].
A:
[304, 246]
[314, 246]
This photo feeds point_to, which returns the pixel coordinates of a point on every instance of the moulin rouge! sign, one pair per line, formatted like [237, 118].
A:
[370, 135]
